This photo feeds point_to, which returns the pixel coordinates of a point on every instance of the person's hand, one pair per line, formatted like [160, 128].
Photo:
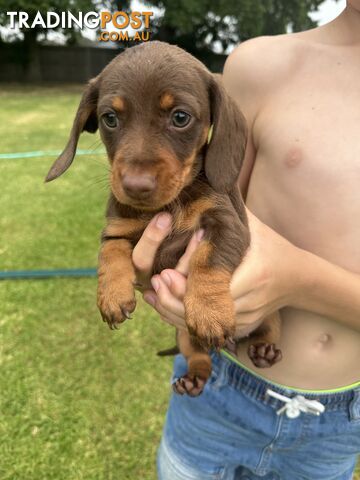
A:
[267, 278]
[168, 287]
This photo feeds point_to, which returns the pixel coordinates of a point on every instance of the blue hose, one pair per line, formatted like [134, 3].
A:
[49, 153]
[36, 274]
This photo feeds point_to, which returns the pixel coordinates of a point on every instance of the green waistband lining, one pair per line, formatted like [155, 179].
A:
[286, 387]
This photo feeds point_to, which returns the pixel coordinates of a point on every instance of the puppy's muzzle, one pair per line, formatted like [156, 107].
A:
[139, 187]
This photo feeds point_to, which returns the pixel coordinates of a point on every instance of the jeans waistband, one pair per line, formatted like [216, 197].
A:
[232, 374]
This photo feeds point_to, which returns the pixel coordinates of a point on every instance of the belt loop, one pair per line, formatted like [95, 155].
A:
[354, 407]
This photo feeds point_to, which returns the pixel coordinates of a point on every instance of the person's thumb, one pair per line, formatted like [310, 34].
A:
[145, 250]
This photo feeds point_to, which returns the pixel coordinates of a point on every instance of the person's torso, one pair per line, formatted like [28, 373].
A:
[305, 184]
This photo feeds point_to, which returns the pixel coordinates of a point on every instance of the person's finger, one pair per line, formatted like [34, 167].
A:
[247, 323]
[167, 316]
[165, 298]
[145, 250]
[173, 320]
[175, 281]
[184, 262]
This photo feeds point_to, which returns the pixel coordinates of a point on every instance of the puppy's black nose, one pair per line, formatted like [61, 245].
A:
[138, 186]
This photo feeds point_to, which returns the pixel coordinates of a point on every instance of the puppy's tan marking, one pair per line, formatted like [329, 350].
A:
[169, 173]
[113, 253]
[188, 217]
[118, 103]
[116, 297]
[187, 168]
[167, 101]
[210, 314]
[269, 331]
[199, 363]
[118, 227]
[201, 257]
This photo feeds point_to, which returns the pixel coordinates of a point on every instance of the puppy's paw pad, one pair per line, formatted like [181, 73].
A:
[192, 386]
[264, 355]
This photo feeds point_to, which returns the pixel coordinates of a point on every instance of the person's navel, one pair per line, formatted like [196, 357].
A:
[323, 340]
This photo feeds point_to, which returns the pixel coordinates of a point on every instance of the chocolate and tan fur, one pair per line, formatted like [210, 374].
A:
[154, 105]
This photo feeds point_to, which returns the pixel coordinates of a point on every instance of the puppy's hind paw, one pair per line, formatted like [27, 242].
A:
[264, 355]
[192, 386]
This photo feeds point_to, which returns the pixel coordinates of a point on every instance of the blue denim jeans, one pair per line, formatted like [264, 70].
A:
[232, 431]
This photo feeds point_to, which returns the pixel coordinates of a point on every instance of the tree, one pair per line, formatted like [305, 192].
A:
[29, 47]
[201, 25]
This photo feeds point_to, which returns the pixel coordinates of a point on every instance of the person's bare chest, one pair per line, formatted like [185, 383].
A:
[308, 158]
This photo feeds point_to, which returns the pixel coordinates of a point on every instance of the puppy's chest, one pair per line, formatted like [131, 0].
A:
[186, 220]
[170, 251]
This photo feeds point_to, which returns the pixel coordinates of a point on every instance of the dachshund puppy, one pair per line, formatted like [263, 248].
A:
[175, 142]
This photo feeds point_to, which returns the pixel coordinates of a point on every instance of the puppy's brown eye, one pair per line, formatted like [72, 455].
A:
[180, 119]
[110, 120]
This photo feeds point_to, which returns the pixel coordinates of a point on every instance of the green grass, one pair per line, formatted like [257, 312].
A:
[77, 400]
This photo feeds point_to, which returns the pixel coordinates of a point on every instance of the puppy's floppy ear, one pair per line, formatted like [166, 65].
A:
[85, 119]
[226, 144]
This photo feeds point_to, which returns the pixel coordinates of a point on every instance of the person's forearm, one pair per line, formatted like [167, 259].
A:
[328, 290]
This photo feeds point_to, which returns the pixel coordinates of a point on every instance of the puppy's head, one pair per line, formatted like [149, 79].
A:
[163, 118]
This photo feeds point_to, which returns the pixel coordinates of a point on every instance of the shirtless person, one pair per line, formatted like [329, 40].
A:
[301, 96]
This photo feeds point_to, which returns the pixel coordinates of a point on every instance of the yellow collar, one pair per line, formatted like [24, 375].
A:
[210, 133]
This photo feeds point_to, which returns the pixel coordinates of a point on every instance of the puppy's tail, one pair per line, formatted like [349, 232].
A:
[169, 351]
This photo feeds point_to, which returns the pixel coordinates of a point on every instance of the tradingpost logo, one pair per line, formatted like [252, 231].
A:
[113, 26]
[121, 21]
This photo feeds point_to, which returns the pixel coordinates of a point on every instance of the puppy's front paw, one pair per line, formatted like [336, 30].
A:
[116, 302]
[210, 317]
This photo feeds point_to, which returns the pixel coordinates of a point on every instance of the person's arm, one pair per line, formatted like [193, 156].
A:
[275, 274]
[330, 291]
[239, 84]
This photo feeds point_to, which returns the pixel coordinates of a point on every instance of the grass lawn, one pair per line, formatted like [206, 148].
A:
[77, 401]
